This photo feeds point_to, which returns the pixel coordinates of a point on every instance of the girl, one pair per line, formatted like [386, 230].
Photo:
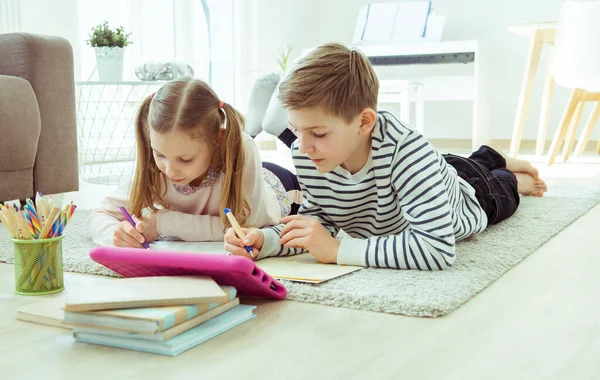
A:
[193, 160]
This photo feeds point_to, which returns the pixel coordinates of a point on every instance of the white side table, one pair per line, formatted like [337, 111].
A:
[106, 114]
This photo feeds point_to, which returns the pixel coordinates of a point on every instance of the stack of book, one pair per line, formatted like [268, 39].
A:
[162, 315]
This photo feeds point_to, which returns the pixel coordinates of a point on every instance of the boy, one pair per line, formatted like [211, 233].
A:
[402, 203]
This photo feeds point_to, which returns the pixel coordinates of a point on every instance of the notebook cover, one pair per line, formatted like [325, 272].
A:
[47, 312]
[145, 292]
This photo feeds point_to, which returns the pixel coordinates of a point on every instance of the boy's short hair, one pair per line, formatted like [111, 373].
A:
[340, 80]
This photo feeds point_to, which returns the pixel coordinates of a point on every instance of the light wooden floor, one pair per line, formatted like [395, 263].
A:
[540, 320]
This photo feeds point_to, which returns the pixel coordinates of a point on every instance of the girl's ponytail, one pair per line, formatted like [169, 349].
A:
[233, 159]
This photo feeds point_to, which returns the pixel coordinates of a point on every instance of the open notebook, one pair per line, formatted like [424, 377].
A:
[303, 268]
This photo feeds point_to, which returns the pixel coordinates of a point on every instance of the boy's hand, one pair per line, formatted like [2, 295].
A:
[307, 233]
[148, 226]
[254, 238]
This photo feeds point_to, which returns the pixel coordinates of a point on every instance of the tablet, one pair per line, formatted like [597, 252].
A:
[237, 271]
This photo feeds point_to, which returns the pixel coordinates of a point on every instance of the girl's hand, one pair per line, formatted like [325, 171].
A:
[148, 226]
[235, 245]
[127, 236]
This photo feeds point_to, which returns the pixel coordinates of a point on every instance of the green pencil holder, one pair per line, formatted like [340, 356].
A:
[38, 266]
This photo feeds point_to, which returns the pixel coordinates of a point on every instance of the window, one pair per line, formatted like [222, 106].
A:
[165, 30]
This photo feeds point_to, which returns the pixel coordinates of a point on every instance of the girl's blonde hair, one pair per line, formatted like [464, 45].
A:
[191, 106]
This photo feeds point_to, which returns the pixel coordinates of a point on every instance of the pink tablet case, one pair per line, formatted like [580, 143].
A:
[237, 271]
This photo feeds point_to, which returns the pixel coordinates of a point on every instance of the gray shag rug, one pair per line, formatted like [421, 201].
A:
[480, 261]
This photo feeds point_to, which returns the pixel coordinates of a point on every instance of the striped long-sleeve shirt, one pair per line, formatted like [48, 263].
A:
[405, 209]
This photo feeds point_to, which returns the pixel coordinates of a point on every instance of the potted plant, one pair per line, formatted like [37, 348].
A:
[110, 48]
[283, 59]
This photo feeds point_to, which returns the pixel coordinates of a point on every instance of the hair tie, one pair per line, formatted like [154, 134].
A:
[221, 109]
[154, 93]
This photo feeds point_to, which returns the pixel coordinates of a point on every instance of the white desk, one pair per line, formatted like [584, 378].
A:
[442, 52]
[421, 53]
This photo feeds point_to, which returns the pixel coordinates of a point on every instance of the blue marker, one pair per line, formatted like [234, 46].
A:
[237, 228]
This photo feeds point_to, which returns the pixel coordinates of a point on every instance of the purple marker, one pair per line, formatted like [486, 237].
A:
[130, 220]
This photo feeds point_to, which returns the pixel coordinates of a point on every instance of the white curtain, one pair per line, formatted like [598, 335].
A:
[10, 16]
[164, 30]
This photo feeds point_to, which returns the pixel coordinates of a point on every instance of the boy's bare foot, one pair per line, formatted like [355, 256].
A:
[513, 164]
[528, 185]
[522, 166]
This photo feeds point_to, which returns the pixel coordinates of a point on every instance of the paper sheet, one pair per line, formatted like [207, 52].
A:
[303, 268]
[411, 20]
[186, 246]
[380, 21]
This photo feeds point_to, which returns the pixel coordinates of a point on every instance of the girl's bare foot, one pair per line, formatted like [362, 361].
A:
[528, 185]
[513, 164]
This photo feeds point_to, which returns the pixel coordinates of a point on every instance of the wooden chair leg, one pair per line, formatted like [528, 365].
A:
[587, 130]
[570, 136]
[533, 59]
[559, 136]
[540, 146]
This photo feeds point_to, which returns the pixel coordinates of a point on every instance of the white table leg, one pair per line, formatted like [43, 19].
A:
[480, 132]
[405, 105]
[419, 108]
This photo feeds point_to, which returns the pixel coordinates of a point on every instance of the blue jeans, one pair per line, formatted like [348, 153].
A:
[495, 186]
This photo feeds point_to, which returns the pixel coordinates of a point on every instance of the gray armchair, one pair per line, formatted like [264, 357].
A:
[38, 131]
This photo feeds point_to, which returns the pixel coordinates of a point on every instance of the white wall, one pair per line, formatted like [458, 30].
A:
[309, 23]
[269, 25]
[56, 17]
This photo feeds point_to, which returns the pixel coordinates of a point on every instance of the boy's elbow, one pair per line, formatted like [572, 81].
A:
[438, 256]
[448, 256]
[444, 258]
[447, 262]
